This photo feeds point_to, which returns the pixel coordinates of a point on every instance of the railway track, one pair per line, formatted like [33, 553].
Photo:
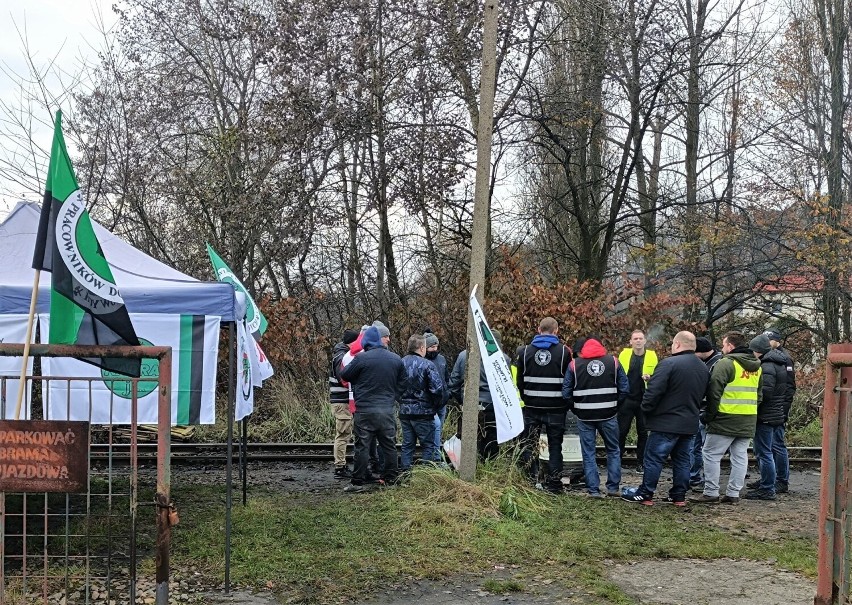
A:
[203, 454]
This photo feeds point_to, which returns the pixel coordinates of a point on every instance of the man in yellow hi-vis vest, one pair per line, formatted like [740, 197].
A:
[733, 395]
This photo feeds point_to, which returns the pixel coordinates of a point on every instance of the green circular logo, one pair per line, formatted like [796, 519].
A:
[122, 387]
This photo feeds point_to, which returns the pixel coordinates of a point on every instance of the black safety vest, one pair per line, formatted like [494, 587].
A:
[595, 388]
[543, 373]
[337, 393]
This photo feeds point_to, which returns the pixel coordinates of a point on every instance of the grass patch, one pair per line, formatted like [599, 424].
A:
[335, 547]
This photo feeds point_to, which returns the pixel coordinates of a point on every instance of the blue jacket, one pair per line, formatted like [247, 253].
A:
[377, 375]
[423, 394]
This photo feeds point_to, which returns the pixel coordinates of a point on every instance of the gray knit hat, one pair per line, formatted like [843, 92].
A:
[760, 344]
[382, 328]
[431, 339]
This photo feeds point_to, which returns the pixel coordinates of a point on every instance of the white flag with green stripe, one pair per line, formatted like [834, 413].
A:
[195, 344]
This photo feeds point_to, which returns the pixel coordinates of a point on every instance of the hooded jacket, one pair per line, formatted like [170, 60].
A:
[731, 425]
[581, 377]
[423, 393]
[674, 394]
[377, 375]
[775, 388]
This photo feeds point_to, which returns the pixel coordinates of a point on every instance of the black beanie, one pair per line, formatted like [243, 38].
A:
[349, 336]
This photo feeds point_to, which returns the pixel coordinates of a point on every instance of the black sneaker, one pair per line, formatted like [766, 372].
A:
[355, 488]
[697, 486]
[638, 499]
[753, 484]
[342, 472]
[676, 501]
[759, 494]
[782, 488]
[729, 500]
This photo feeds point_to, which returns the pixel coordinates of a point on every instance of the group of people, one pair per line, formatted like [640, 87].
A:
[691, 407]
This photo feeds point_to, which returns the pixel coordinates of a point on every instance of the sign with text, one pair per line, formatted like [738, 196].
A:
[44, 456]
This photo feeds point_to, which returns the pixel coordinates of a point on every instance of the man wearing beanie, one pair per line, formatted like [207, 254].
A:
[733, 397]
[770, 414]
[339, 399]
[704, 351]
[378, 377]
[384, 333]
[440, 362]
[779, 444]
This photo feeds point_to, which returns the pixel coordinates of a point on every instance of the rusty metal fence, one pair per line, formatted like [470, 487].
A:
[107, 539]
[834, 514]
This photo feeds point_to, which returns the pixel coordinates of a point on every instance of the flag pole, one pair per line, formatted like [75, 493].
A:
[23, 382]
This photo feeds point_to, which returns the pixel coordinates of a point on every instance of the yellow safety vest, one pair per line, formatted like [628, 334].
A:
[740, 395]
[649, 362]
[514, 369]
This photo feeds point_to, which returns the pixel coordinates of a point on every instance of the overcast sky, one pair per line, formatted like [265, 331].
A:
[66, 31]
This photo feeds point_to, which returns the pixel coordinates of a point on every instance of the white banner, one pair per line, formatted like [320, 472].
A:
[507, 405]
[261, 369]
[13, 330]
[245, 371]
[195, 346]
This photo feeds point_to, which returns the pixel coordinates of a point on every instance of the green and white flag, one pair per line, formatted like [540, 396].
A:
[85, 304]
[507, 404]
[255, 321]
[246, 367]
[195, 345]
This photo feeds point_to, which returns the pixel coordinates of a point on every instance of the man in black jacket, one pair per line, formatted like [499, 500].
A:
[378, 377]
[770, 414]
[670, 405]
[541, 370]
[779, 443]
[706, 352]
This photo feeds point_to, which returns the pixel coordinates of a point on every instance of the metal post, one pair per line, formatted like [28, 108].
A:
[229, 467]
[244, 458]
[164, 437]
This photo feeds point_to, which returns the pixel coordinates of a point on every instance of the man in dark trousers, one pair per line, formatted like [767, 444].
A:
[638, 363]
[541, 370]
[670, 405]
[378, 377]
[706, 352]
[594, 385]
[779, 443]
[770, 415]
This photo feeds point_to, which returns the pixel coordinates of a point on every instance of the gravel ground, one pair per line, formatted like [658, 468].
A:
[662, 582]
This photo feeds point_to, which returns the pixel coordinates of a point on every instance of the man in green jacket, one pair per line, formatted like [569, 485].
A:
[733, 395]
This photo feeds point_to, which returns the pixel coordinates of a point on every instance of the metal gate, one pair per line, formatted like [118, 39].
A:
[834, 514]
[63, 542]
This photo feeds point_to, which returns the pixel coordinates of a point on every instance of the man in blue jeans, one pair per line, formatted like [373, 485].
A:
[670, 405]
[594, 385]
[422, 395]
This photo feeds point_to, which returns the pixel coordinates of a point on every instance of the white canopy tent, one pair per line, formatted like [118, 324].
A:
[159, 299]
[146, 284]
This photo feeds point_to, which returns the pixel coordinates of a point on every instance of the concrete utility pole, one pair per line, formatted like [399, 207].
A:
[479, 233]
